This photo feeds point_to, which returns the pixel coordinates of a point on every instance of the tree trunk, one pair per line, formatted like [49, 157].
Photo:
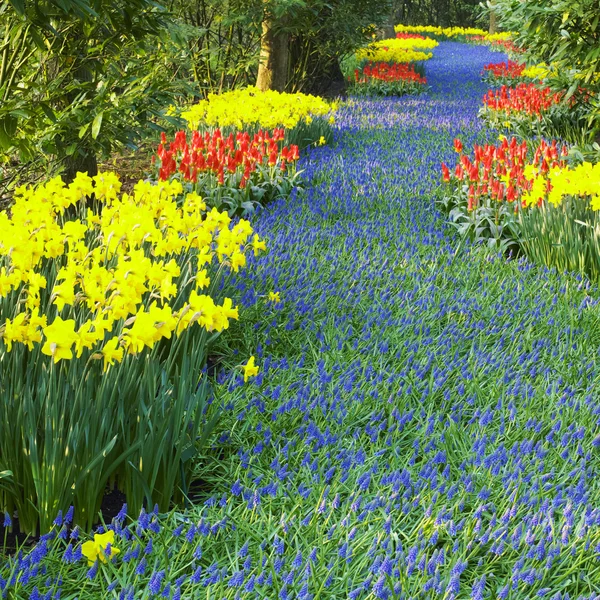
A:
[493, 20]
[84, 158]
[274, 58]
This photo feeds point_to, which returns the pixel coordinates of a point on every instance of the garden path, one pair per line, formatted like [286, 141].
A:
[416, 400]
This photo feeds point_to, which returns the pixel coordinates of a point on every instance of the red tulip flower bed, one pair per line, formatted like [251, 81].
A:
[525, 98]
[218, 155]
[239, 170]
[507, 46]
[410, 36]
[498, 172]
[504, 71]
[387, 79]
[485, 191]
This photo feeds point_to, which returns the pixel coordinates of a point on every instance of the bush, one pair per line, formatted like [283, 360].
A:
[107, 309]
[566, 35]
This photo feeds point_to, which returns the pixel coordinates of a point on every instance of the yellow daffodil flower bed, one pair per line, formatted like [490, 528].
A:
[562, 227]
[395, 50]
[309, 116]
[582, 181]
[423, 43]
[441, 31]
[455, 32]
[116, 271]
[107, 308]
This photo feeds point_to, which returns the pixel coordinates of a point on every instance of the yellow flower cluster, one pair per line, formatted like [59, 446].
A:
[409, 43]
[540, 71]
[270, 109]
[445, 31]
[118, 278]
[453, 31]
[501, 36]
[582, 180]
[394, 50]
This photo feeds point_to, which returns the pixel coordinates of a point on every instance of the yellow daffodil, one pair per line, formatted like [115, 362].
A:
[100, 548]
[14, 331]
[202, 309]
[202, 279]
[112, 352]
[258, 245]
[60, 337]
[142, 334]
[274, 297]
[86, 338]
[250, 369]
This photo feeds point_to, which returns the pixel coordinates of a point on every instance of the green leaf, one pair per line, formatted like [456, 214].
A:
[96, 124]
[5, 138]
[83, 129]
[19, 6]
[48, 111]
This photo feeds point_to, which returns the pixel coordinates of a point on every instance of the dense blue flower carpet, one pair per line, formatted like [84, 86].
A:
[425, 419]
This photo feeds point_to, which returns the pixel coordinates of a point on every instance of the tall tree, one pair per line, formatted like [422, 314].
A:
[274, 50]
[493, 18]
[304, 39]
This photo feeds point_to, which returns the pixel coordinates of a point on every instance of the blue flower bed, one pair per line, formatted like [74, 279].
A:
[425, 423]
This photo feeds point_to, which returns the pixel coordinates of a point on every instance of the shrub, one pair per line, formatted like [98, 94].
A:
[564, 34]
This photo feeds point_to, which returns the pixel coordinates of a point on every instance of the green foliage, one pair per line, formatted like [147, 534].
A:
[64, 435]
[81, 80]
[494, 224]
[566, 236]
[443, 13]
[565, 33]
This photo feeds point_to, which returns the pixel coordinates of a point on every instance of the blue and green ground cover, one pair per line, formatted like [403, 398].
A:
[425, 423]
